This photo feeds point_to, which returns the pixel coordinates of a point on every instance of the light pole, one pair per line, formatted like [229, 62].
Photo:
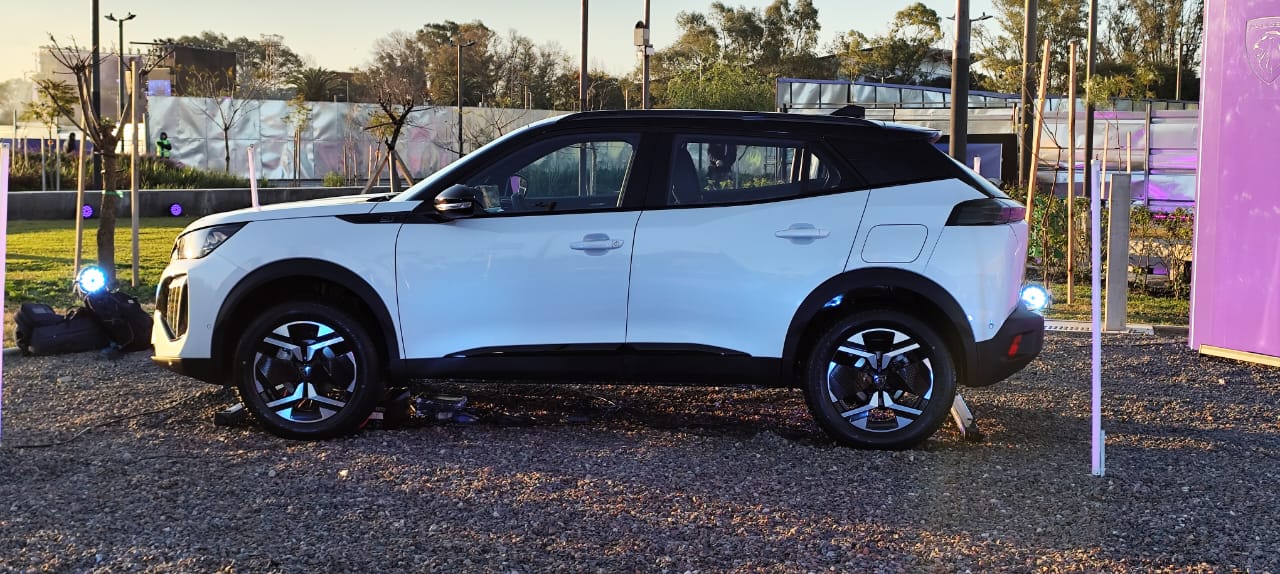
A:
[120, 62]
[460, 46]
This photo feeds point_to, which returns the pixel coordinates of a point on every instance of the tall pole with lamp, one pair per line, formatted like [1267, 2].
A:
[120, 62]
[460, 46]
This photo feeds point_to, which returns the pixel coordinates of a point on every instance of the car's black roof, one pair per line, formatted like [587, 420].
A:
[725, 118]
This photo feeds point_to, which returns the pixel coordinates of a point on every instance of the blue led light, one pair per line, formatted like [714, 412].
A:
[835, 301]
[91, 280]
[1036, 297]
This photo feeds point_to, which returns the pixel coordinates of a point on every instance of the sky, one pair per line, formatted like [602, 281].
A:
[340, 35]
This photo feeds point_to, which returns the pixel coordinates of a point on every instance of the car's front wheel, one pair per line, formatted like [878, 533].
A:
[308, 371]
[880, 379]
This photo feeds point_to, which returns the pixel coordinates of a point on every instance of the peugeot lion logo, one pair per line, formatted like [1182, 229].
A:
[1263, 38]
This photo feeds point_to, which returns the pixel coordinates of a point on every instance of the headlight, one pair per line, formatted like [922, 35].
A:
[200, 242]
[1036, 297]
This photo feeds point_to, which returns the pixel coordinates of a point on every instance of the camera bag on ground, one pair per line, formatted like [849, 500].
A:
[32, 316]
[78, 332]
[123, 318]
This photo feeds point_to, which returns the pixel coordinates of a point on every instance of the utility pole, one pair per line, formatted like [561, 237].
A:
[1028, 87]
[120, 61]
[1090, 55]
[582, 72]
[960, 85]
[648, 50]
[461, 45]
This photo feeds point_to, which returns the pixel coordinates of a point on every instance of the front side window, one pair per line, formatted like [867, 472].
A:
[568, 173]
[714, 170]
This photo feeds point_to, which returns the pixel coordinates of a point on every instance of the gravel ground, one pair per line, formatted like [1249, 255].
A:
[617, 479]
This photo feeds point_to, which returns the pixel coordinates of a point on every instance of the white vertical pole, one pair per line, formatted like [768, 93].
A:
[1095, 247]
[4, 234]
[253, 180]
[134, 207]
[977, 164]
[79, 217]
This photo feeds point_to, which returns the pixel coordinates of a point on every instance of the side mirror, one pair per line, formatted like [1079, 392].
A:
[457, 202]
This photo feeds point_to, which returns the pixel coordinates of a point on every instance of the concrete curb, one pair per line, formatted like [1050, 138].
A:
[1132, 328]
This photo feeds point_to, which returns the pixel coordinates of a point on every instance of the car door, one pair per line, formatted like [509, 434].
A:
[743, 231]
[544, 266]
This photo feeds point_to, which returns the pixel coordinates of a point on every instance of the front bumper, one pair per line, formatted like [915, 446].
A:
[203, 369]
[1014, 346]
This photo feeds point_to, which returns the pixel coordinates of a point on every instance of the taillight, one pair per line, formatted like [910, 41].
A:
[987, 211]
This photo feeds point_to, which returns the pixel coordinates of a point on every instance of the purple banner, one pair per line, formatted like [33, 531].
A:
[1235, 295]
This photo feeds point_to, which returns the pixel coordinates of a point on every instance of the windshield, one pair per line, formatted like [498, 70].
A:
[460, 165]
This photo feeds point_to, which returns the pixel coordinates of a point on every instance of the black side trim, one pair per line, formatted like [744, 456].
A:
[645, 368]
[202, 369]
[366, 218]
[876, 282]
[993, 361]
[318, 269]
[538, 350]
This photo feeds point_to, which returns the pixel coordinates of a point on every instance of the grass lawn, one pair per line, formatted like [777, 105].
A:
[41, 255]
[1143, 308]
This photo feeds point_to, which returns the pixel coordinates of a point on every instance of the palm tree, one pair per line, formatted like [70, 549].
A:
[316, 84]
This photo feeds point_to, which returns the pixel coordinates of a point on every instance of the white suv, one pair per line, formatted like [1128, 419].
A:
[848, 258]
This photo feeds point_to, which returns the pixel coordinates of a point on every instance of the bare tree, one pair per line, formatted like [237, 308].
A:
[105, 134]
[398, 85]
[234, 98]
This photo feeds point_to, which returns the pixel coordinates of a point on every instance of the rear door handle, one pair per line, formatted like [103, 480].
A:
[596, 242]
[802, 231]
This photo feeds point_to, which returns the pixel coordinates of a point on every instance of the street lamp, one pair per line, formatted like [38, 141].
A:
[120, 62]
[460, 46]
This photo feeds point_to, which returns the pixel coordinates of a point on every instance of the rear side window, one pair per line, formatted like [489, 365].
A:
[887, 163]
[724, 169]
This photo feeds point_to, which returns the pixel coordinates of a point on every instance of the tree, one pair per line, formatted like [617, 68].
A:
[315, 84]
[103, 132]
[903, 55]
[397, 83]
[1000, 44]
[300, 113]
[1143, 42]
[438, 45]
[524, 75]
[53, 97]
[13, 94]
[723, 86]
[232, 102]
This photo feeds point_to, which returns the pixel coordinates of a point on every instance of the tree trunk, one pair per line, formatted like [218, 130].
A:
[107, 218]
[372, 179]
[395, 177]
[226, 148]
[404, 169]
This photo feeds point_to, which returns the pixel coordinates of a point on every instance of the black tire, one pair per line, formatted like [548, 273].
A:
[879, 379]
[329, 393]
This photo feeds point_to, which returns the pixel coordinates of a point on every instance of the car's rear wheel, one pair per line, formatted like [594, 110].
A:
[880, 379]
[308, 371]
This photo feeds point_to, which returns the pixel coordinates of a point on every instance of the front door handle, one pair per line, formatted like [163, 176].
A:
[802, 231]
[598, 242]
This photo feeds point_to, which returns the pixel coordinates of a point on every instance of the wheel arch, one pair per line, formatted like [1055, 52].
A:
[304, 278]
[880, 286]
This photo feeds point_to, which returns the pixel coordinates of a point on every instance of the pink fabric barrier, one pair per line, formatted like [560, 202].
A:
[1235, 295]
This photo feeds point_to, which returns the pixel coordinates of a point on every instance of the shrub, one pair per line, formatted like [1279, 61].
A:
[334, 179]
[154, 172]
